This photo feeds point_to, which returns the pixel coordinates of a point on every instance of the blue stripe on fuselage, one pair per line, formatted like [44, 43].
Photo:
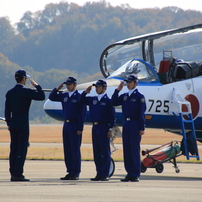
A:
[167, 122]
[156, 121]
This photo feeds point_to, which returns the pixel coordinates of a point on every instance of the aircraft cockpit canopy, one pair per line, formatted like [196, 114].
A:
[135, 66]
[117, 60]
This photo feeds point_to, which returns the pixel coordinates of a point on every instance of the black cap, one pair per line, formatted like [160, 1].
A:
[70, 80]
[21, 73]
[100, 82]
[131, 77]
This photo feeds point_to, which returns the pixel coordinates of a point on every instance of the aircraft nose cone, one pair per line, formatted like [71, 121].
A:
[54, 110]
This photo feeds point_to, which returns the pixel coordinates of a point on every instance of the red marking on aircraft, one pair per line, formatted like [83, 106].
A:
[194, 105]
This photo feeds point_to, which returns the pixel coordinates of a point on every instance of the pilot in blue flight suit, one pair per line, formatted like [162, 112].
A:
[17, 105]
[133, 109]
[102, 115]
[74, 115]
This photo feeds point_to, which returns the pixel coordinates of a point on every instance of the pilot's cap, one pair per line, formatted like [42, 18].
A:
[70, 80]
[21, 73]
[100, 82]
[131, 77]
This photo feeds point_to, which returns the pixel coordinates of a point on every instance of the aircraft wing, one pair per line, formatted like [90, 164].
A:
[48, 90]
[2, 119]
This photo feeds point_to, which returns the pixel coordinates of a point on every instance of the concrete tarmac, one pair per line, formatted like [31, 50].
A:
[45, 185]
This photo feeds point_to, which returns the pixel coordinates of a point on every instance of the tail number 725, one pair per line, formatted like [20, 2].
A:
[159, 105]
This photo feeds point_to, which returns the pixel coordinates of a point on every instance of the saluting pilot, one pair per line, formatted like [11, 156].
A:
[102, 115]
[133, 109]
[17, 105]
[74, 114]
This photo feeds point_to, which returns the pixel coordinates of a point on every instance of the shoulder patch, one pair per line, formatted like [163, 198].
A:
[65, 99]
[125, 97]
[142, 100]
[94, 102]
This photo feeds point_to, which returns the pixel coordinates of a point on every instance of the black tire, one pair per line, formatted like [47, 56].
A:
[177, 170]
[159, 167]
[143, 168]
[112, 167]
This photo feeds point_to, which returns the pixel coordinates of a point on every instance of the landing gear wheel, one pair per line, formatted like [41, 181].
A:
[159, 167]
[177, 170]
[143, 168]
[112, 167]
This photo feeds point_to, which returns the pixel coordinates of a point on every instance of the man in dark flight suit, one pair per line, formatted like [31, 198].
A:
[133, 109]
[74, 116]
[102, 115]
[17, 105]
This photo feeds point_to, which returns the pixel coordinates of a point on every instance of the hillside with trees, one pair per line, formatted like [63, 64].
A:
[67, 39]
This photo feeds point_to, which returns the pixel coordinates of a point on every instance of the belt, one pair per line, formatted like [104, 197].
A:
[100, 122]
[71, 120]
[130, 119]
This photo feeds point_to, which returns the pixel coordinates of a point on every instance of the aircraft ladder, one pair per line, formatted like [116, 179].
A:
[179, 101]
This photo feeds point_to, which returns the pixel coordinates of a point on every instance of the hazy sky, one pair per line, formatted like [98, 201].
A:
[15, 9]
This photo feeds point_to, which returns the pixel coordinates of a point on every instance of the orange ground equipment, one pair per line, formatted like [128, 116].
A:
[166, 152]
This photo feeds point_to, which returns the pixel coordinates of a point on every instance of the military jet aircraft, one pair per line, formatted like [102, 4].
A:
[168, 65]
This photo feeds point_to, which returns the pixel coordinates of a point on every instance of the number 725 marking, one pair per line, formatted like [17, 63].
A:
[159, 105]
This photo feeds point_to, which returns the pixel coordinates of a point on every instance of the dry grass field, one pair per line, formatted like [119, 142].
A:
[52, 134]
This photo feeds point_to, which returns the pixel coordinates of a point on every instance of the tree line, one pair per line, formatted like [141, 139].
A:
[68, 39]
